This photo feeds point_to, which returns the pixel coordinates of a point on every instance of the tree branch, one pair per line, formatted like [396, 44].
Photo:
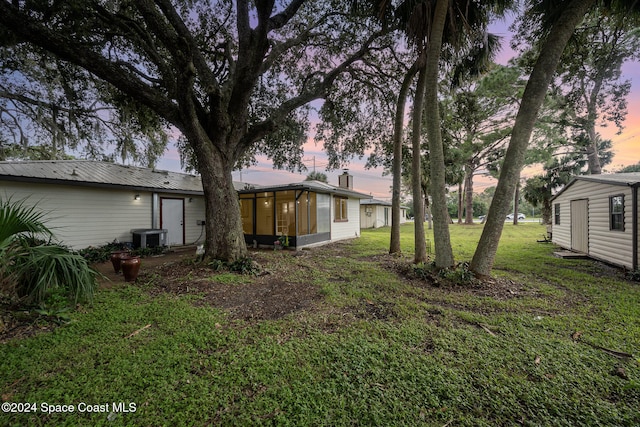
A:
[281, 19]
[79, 53]
[318, 91]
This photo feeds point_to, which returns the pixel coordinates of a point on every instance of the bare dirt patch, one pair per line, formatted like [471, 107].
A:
[279, 290]
[269, 295]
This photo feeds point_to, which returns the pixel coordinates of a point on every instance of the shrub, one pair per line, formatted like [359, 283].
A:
[31, 268]
[634, 275]
[95, 254]
[459, 275]
[245, 266]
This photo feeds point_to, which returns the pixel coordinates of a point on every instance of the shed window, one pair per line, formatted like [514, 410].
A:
[556, 214]
[340, 208]
[616, 213]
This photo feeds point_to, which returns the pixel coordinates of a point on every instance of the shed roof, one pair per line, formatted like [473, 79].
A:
[376, 202]
[317, 186]
[102, 174]
[631, 179]
[380, 202]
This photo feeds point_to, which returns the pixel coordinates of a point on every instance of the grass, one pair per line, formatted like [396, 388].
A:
[432, 357]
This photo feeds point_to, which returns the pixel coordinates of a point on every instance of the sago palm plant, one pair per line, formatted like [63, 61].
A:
[31, 268]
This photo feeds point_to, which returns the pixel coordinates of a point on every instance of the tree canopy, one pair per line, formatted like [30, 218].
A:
[234, 78]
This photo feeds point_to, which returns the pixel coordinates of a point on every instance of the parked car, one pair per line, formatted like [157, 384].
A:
[520, 216]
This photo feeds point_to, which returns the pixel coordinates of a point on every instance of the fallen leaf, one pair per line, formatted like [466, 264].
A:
[576, 335]
[620, 372]
[537, 361]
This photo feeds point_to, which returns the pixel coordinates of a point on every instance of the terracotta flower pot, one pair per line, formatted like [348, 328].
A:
[130, 268]
[116, 257]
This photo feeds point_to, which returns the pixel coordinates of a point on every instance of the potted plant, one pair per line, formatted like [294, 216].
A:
[116, 258]
[130, 267]
[283, 241]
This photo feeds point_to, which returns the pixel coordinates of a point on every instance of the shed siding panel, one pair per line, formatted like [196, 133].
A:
[350, 228]
[604, 244]
[82, 217]
[367, 221]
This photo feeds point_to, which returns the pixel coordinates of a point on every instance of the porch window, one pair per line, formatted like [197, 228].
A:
[324, 212]
[556, 214]
[616, 213]
[286, 213]
[341, 209]
[264, 214]
[246, 210]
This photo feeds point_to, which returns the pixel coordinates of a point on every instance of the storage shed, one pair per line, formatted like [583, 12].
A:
[90, 203]
[598, 215]
[376, 213]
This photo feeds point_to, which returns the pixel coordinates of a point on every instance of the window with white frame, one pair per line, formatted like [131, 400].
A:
[341, 209]
[616, 212]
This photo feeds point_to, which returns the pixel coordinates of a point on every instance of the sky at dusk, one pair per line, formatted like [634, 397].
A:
[626, 146]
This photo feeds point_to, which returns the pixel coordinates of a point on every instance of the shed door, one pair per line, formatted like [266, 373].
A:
[172, 219]
[580, 225]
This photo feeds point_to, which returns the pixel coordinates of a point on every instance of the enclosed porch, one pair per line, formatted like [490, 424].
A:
[302, 215]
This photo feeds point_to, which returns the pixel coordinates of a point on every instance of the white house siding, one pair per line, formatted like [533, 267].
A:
[376, 217]
[85, 216]
[604, 244]
[350, 228]
[194, 212]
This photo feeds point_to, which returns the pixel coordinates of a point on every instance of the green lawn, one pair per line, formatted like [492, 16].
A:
[430, 356]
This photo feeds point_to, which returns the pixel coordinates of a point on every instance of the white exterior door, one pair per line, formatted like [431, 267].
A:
[580, 225]
[172, 219]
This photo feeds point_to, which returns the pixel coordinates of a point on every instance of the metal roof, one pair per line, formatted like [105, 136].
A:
[380, 202]
[631, 179]
[102, 174]
[317, 186]
[376, 202]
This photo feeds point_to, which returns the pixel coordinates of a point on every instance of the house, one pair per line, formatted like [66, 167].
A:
[307, 213]
[90, 203]
[598, 215]
[376, 213]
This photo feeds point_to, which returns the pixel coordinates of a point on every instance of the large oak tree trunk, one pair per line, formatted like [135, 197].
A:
[442, 241]
[224, 234]
[223, 222]
[532, 99]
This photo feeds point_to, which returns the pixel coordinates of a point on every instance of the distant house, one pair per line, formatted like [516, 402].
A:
[89, 203]
[308, 213]
[598, 215]
[376, 213]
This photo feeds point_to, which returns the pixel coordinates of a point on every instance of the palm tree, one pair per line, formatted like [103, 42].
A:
[562, 20]
[317, 176]
[31, 268]
[424, 22]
